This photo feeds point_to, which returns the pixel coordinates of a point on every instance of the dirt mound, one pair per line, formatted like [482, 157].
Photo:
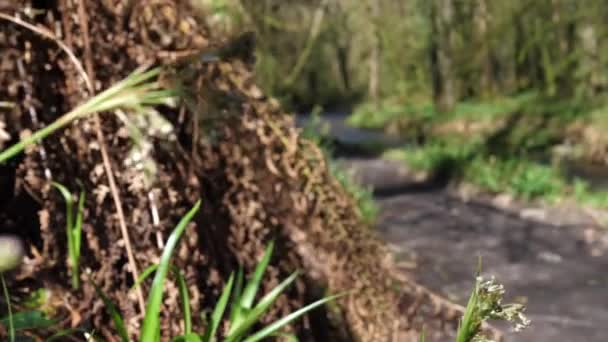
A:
[229, 145]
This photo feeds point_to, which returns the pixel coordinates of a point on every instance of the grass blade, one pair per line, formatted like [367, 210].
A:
[78, 223]
[151, 322]
[183, 294]
[191, 337]
[274, 294]
[11, 326]
[235, 311]
[253, 284]
[76, 241]
[240, 326]
[69, 228]
[131, 92]
[119, 322]
[218, 312]
[274, 327]
[144, 275]
[466, 328]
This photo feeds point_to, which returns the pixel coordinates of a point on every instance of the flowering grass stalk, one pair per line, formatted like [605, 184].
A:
[135, 92]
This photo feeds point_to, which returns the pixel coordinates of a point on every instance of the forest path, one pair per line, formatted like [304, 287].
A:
[553, 258]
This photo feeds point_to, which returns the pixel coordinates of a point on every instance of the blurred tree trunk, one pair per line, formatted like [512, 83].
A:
[486, 78]
[590, 59]
[442, 68]
[524, 64]
[343, 37]
[564, 29]
[315, 30]
[374, 60]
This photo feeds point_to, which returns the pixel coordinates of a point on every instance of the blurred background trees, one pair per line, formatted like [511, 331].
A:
[337, 52]
[501, 79]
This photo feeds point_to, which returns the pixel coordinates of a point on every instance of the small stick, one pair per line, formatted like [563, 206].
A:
[106, 162]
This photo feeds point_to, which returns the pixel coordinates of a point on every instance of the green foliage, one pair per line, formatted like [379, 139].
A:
[28, 320]
[372, 116]
[430, 156]
[73, 229]
[395, 110]
[553, 47]
[531, 180]
[150, 330]
[524, 178]
[502, 145]
[583, 193]
[24, 320]
[244, 312]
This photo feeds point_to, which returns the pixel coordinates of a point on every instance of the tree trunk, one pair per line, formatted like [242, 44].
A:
[590, 60]
[482, 20]
[442, 68]
[374, 59]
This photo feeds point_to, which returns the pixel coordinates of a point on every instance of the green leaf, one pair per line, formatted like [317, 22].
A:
[254, 283]
[151, 324]
[191, 337]
[235, 311]
[467, 326]
[29, 320]
[183, 294]
[119, 323]
[78, 223]
[76, 233]
[218, 312]
[144, 275]
[274, 327]
[36, 299]
[73, 229]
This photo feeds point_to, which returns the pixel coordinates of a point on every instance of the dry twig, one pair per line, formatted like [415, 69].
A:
[106, 159]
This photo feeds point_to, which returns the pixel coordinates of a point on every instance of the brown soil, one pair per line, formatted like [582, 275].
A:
[233, 148]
